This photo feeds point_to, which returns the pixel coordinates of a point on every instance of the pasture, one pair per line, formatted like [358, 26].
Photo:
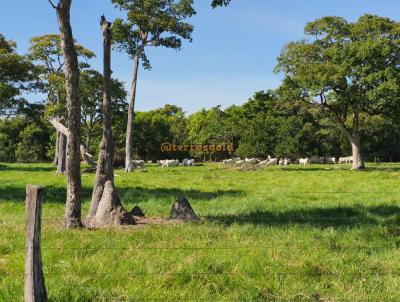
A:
[314, 233]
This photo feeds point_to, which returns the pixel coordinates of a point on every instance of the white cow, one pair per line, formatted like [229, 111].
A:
[239, 163]
[304, 161]
[346, 160]
[272, 162]
[188, 162]
[329, 160]
[263, 162]
[138, 164]
[251, 161]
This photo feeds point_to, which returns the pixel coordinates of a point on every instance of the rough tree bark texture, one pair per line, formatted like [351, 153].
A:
[62, 153]
[71, 70]
[358, 161]
[55, 161]
[106, 207]
[131, 113]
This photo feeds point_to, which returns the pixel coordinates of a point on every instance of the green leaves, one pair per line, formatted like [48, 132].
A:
[152, 23]
[356, 64]
[17, 74]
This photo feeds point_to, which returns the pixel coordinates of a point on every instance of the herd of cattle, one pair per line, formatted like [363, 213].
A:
[138, 164]
[238, 162]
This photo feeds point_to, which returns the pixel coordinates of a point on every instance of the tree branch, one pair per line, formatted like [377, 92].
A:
[52, 4]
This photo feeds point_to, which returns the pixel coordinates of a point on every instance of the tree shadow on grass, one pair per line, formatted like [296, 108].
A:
[55, 194]
[337, 217]
[27, 168]
[140, 194]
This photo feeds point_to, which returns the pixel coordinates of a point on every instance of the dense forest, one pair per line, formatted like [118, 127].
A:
[264, 125]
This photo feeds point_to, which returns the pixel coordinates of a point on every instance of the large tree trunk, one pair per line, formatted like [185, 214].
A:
[358, 162]
[62, 153]
[131, 112]
[106, 207]
[71, 71]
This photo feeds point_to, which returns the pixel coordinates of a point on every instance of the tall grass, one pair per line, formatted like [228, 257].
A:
[316, 233]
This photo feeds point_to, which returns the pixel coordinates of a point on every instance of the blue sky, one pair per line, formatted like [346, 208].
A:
[233, 53]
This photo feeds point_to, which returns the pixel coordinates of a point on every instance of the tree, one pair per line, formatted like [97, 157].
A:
[47, 52]
[17, 74]
[91, 92]
[71, 72]
[149, 23]
[106, 207]
[346, 70]
[216, 3]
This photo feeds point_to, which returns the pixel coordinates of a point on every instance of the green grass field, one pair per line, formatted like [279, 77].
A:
[319, 233]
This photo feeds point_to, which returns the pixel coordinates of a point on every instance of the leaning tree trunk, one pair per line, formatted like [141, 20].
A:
[106, 207]
[62, 153]
[55, 161]
[131, 112]
[71, 71]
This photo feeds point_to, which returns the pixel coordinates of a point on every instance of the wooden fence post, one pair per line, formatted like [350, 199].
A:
[35, 289]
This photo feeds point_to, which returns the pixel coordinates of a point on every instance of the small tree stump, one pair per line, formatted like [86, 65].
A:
[182, 210]
[137, 211]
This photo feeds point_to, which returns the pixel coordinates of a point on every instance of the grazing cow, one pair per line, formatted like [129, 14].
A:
[227, 161]
[138, 164]
[188, 162]
[304, 161]
[345, 160]
[251, 161]
[263, 162]
[239, 163]
[272, 162]
[286, 162]
[169, 163]
[329, 160]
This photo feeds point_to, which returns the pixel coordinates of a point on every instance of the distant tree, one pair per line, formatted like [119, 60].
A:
[17, 74]
[91, 93]
[163, 125]
[346, 70]
[46, 51]
[216, 3]
[148, 23]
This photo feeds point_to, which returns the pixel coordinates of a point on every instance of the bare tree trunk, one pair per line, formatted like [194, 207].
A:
[131, 113]
[55, 161]
[88, 139]
[71, 71]
[358, 162]
[62, 154]
[106, 207]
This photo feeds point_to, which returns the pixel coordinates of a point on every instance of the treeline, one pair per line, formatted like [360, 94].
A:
[265, 125]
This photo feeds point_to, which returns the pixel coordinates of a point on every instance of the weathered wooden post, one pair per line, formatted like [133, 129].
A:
[35, 289]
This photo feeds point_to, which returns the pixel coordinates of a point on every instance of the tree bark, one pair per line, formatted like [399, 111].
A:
[88, 139]
[131, 113]
[106, 207]
[71, 71]
[62, 153]
[358, 161]
[55, 161]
